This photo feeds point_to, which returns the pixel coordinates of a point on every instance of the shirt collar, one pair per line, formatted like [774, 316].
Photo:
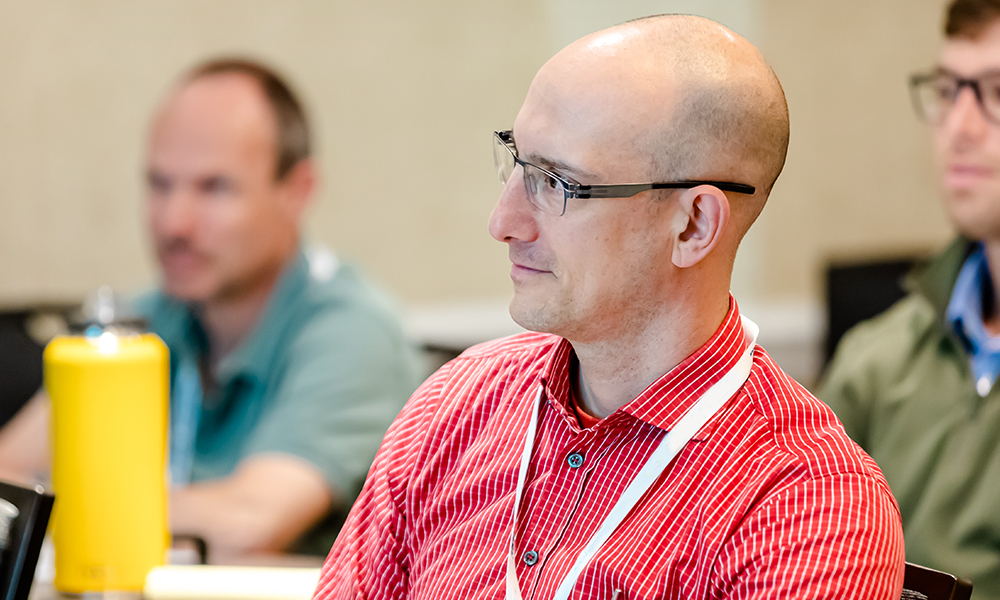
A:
[669, 398]
[255, 356]
[965, 308]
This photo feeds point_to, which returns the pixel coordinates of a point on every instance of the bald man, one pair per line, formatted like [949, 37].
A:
[639, 445]
[285, 369]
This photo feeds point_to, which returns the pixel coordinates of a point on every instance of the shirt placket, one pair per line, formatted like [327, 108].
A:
[546, 523]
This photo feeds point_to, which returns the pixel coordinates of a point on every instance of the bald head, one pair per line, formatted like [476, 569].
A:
[287, 117]
[693, 98]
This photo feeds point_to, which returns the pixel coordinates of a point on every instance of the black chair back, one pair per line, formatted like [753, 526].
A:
[23, 539]
[921, 583]
[856, 291]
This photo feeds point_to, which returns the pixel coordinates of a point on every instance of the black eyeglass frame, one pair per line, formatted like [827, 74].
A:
[616, 190]
[919, 79]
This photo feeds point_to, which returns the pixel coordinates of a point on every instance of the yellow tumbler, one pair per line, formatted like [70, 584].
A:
[109, 396]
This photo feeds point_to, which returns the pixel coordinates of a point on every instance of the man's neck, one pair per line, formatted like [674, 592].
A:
[613, 373]
[229, 319]
[991, 314]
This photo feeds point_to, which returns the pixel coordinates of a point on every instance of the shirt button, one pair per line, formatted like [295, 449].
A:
[530, 558]
[574, 460]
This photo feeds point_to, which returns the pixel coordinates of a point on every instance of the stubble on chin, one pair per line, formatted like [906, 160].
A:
[187, 292]
[530, 313]
[974, 217]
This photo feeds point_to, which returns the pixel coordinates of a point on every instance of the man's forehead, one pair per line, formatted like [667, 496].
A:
[551, 144]
[212, 118]
[973, 56]
[217, 103]
[588, 123]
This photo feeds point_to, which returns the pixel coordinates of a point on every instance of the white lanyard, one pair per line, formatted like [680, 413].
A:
[710, 402]
[185, 413]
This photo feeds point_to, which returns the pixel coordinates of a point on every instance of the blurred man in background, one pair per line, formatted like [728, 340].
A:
[285, 370]
[916, 386]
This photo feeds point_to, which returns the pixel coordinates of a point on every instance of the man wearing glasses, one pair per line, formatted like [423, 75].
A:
[639, 445]
[916, 386]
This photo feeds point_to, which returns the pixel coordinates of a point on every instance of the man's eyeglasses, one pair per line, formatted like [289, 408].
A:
[549, 192]
[934, 95]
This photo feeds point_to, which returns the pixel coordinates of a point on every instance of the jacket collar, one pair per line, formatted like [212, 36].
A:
[935, 279]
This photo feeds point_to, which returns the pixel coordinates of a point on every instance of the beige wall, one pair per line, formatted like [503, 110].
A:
[400, 92]
[858, 179]
[404, 95]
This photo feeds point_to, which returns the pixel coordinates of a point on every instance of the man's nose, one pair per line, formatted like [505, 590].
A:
[966, 119]
[175, 212]
[513, 217]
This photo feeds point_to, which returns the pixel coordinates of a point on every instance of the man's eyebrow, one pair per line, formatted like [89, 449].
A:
[559, 167]
[943, 70]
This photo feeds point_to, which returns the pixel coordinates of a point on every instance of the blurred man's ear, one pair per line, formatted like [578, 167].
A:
[703, 216]
[298, 186]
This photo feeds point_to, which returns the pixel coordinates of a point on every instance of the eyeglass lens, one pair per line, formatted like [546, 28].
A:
[545, 192]
[936, 95]
[503, 160]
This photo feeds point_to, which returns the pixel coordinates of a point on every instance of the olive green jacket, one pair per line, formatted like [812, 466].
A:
[902, 385]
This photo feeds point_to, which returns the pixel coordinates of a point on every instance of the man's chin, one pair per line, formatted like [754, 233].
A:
[975, 224]
[187, 291]
[531, 315]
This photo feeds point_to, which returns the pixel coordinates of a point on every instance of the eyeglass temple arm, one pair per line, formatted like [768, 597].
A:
[631, 189]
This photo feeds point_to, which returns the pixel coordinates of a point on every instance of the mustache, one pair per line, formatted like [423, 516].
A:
[178, 245]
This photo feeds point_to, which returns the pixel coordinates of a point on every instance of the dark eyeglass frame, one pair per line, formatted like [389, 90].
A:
[618, 190]
[918, 80]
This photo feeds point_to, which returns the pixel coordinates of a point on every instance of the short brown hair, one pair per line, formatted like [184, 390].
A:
[969, 18]
[293, 143]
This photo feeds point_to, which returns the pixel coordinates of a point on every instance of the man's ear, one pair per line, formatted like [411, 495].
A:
[703, 216]
[298, 187]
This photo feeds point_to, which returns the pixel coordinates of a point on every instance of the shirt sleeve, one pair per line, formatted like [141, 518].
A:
[346, 376]
[830, 538]
[370, 558]
[872, 358]
[844, 390]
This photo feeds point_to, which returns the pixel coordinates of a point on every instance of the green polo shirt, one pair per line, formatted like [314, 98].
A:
[902, 385]
[321, 377]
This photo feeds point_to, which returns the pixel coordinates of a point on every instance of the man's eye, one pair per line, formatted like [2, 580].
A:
[552, 183]
[158, 184]
[217, 185]
[945, 89]
[991, 91]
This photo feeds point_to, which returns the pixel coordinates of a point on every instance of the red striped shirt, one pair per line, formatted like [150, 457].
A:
[769, 500]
